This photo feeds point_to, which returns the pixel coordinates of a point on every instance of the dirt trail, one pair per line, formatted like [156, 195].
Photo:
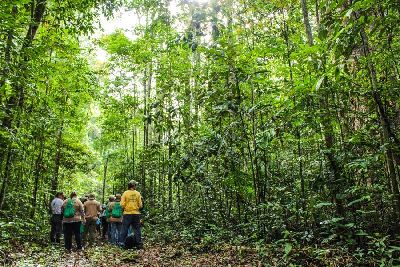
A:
[105, 255]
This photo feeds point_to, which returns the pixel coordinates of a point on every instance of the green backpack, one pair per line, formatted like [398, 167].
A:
[117, 211]
[69, 210]
[107, 213]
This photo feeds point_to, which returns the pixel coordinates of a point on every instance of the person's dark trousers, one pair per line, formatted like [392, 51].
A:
[109, 231]
[115, 232]
[72, 228]
[134, 221]
[104, 226]
[98, 227]
[90, 231]
[56, 228]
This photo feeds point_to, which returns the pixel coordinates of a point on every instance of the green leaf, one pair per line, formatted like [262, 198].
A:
[364, 198]
[323, 204]
[348, 13]
[319, 83]
[288, 248]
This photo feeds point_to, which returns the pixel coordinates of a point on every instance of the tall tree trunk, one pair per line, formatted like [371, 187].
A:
[105, 178]
[306, 21]
[170, 204]
[37, 14]
[15, 101]
[133, 151]
[163, 200]
[393, 148]
[37, 172]
[57, 160]
[297, 128]
[6, 177]
[327, 128]
[145, 135]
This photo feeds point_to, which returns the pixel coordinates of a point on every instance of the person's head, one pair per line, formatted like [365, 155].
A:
[59, 195]
[132, 185]
[117, 197]
[73, 194]
[92, 196]
[111, 198]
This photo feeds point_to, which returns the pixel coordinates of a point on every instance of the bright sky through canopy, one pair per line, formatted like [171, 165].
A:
[127, 20]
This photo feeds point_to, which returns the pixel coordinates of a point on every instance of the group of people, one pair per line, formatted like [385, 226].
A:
[81, 218]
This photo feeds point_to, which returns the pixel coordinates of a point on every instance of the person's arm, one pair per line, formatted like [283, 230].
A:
[52, 208]
[82, 211]
[59, 204]
[82, 208]
[98, 207]
[63, 206]
[123, 201]
[140, 202]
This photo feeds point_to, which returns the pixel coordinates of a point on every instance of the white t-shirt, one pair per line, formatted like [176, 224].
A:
[56, 205]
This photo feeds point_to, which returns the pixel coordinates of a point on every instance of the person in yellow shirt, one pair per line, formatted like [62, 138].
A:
[131, 202]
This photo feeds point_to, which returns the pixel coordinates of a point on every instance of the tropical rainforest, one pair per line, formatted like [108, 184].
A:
[261, 132]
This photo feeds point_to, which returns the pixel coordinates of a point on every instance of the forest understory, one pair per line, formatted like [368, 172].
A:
[38, 254]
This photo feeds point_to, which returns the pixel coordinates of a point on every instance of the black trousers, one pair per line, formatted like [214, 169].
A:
[56, 228]
[134, 221]
[72, 228]
[104, 225]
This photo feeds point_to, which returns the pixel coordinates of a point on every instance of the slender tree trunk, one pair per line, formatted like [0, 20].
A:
[255, 147]
[389, 137]
[327, 127]
[37, 13]
[145, 135]
[170, 204]
[16, 100]
[133, 151]
[160, 172]
[104, 179]
[297, 129]
[6, 177]
[163, 201]
[57, 159]
[335, 168]
[306, 21]
[37, 171]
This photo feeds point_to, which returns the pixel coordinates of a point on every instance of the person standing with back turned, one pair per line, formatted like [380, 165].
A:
[92, 210]
[56, 218]
[74, 215]
[131, 202]
[115, 209]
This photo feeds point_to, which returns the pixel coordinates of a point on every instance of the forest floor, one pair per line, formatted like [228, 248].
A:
[32, 254]
[38, 253]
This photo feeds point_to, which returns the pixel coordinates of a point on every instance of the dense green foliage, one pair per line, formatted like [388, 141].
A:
[249, 121]
[46, 90]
